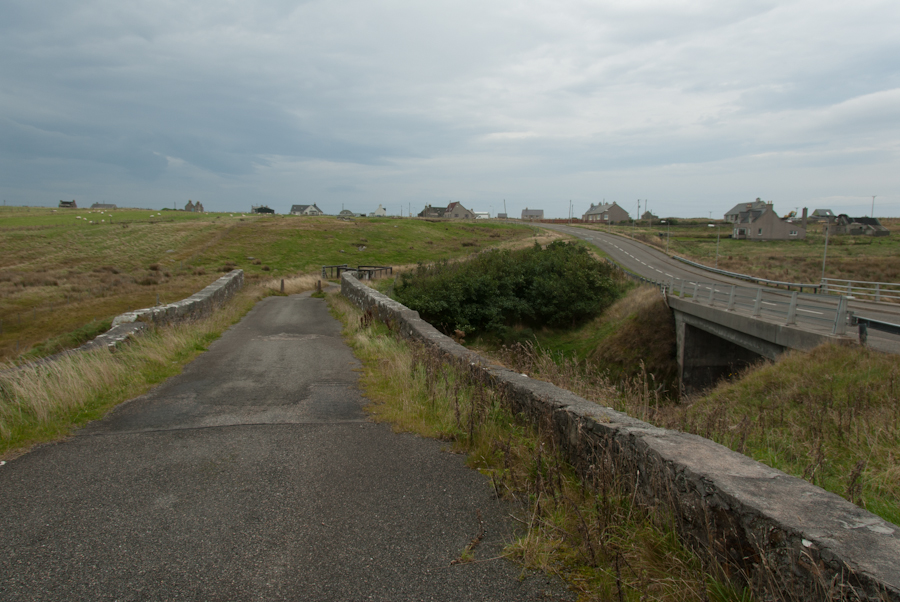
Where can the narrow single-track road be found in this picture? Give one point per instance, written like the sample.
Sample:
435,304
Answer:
254,475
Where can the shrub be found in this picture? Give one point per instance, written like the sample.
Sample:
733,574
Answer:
559,285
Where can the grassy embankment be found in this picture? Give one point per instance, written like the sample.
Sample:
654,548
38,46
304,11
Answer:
831,416
849,257
62,278
44,403
596,538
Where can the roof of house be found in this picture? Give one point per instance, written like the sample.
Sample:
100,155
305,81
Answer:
822,213
743,207
302,208
600,209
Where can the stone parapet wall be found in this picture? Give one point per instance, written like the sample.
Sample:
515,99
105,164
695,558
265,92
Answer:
196,306
783,535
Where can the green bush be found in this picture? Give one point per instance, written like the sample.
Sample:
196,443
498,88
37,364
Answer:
559,285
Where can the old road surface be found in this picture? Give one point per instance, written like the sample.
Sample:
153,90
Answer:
254,475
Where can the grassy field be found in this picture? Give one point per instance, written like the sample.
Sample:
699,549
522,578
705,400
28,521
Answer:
850,257
64,271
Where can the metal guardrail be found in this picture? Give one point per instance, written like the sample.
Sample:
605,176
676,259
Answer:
761,304
864,324
366,272
789,285
877,291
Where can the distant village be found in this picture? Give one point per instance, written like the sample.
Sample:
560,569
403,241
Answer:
756,220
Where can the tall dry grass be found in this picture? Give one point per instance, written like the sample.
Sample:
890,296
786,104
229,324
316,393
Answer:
44,401
830,416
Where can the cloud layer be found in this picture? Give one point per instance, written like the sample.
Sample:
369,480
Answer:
694,106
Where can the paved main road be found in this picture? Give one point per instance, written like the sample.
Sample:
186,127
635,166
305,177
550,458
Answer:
653,264
254,475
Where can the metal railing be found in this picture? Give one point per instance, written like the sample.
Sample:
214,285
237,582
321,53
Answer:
366,272
864,324
333,271
818,314
776,283
876,291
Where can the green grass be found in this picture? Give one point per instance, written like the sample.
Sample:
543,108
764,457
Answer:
597,539
831,416
58,273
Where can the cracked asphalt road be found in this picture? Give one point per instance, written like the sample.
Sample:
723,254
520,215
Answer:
254,475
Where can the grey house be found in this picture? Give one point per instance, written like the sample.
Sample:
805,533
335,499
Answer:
306,210
532,213
826,216
859,226
456,211
103,206
607,213
764,224
68,204
432,212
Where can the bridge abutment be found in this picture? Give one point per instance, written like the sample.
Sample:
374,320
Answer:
714,342
705,358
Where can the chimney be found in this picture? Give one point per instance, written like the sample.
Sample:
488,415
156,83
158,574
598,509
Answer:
804,218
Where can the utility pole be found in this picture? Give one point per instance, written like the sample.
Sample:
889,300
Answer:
634,222
825,254
873,204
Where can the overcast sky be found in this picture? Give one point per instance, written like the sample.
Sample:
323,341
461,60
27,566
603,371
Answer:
692,105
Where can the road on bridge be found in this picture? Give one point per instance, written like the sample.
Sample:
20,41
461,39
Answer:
254,475
653,264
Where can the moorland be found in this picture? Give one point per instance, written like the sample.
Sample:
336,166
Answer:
64,274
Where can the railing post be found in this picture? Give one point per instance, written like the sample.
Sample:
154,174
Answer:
731,299
877,292
824,286
694,296
792,310
757,305
683,284
712,294
840,317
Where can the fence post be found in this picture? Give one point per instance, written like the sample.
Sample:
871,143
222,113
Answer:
757,305
824,286
840,317
694,296
877,292
792,310
282,282
863,333
681,294
731,299
712,294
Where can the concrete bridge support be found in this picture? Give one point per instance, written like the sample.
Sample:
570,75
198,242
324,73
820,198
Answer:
708,352
714,342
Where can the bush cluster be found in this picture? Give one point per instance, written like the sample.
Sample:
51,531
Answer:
559,285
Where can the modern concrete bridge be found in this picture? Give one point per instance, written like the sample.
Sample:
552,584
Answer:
723,323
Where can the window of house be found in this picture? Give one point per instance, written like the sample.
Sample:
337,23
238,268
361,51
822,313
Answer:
793,233
760,232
